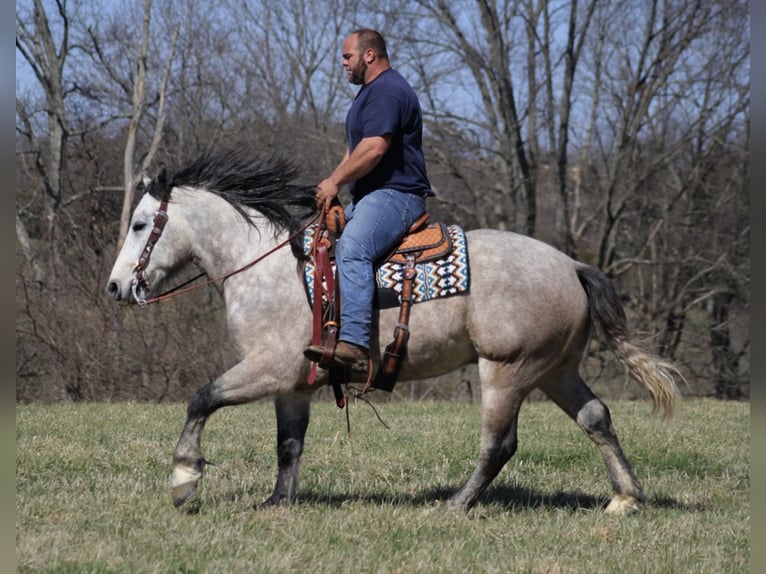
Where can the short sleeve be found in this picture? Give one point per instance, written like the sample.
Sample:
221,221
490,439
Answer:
381,115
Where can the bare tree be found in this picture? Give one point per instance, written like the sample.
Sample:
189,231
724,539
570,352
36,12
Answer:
134,87
522,113
576,33
617,131
445,40
37,43
292,68
673,103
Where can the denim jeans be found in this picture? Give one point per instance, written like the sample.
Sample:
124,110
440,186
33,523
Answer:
374,225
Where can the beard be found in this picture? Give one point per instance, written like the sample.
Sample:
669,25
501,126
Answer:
356,75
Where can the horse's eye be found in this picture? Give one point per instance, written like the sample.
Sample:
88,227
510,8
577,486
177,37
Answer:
138,226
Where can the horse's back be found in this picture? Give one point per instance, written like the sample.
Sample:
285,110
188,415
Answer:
525,300
524,287
534,272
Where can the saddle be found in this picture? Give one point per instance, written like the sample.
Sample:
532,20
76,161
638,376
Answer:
423,242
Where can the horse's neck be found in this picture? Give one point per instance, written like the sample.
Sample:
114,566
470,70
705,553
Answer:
268,295
223,241
224,244
251,256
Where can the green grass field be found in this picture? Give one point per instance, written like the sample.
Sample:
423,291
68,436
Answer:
92,493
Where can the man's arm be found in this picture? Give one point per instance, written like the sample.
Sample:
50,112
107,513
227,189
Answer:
366,156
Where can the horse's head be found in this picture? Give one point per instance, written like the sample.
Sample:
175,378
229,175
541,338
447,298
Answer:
154,247
217,200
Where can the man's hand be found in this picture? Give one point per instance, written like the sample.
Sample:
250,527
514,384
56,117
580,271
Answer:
353,166
327,190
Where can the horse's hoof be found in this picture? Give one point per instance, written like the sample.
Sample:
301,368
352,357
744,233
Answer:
452,505
183,483
622,505
273,501
266,504
183,493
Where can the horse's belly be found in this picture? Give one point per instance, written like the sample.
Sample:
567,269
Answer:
439,339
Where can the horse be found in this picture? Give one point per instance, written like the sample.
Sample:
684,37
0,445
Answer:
526,320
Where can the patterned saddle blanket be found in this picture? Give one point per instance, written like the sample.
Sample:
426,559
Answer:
443,276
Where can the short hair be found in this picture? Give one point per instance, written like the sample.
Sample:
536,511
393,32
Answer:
370,39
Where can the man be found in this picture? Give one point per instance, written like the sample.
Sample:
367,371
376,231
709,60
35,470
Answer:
386,175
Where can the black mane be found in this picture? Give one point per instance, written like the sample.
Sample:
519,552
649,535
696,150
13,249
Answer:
245,180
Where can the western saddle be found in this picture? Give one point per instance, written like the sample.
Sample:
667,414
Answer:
423,242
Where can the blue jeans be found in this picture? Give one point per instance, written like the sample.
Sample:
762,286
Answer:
374,225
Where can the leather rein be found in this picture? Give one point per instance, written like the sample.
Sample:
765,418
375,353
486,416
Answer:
160,220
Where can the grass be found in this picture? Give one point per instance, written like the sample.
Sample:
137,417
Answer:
92,493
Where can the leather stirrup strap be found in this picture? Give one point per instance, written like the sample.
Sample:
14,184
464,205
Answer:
328,324
324,288
391,362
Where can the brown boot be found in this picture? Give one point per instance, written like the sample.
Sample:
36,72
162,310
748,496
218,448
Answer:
316,353
352,356
346,355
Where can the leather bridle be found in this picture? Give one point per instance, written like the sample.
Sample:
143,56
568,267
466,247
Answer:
160,220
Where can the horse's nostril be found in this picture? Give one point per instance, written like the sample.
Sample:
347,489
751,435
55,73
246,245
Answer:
113,289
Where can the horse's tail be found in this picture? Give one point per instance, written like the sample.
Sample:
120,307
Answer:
656,375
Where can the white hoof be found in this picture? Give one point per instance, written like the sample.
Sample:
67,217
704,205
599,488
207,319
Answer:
622,504
183,483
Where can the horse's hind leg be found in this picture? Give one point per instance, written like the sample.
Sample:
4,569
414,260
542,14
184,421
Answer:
292,421
500,411
578,401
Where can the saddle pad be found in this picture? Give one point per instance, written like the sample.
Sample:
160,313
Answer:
444,277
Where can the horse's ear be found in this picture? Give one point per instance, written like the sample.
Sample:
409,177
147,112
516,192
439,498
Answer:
144,182
162,181
162,176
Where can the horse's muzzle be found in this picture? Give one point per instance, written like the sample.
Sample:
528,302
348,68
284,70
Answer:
115,291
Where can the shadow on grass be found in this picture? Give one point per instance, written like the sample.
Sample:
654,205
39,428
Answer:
505,496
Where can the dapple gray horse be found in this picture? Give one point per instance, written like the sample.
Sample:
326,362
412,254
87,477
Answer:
526,320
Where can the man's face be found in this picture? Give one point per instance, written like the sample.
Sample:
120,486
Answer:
353,61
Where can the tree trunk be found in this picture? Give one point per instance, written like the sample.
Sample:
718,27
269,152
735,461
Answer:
26,248
725,360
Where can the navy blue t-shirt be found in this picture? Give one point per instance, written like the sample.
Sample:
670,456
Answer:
388,105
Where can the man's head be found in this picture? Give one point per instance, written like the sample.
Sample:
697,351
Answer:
364,56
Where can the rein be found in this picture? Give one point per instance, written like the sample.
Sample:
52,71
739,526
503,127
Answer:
160,220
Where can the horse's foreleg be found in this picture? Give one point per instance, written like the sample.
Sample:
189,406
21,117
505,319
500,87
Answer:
293,412
188,462
240,384
592,416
